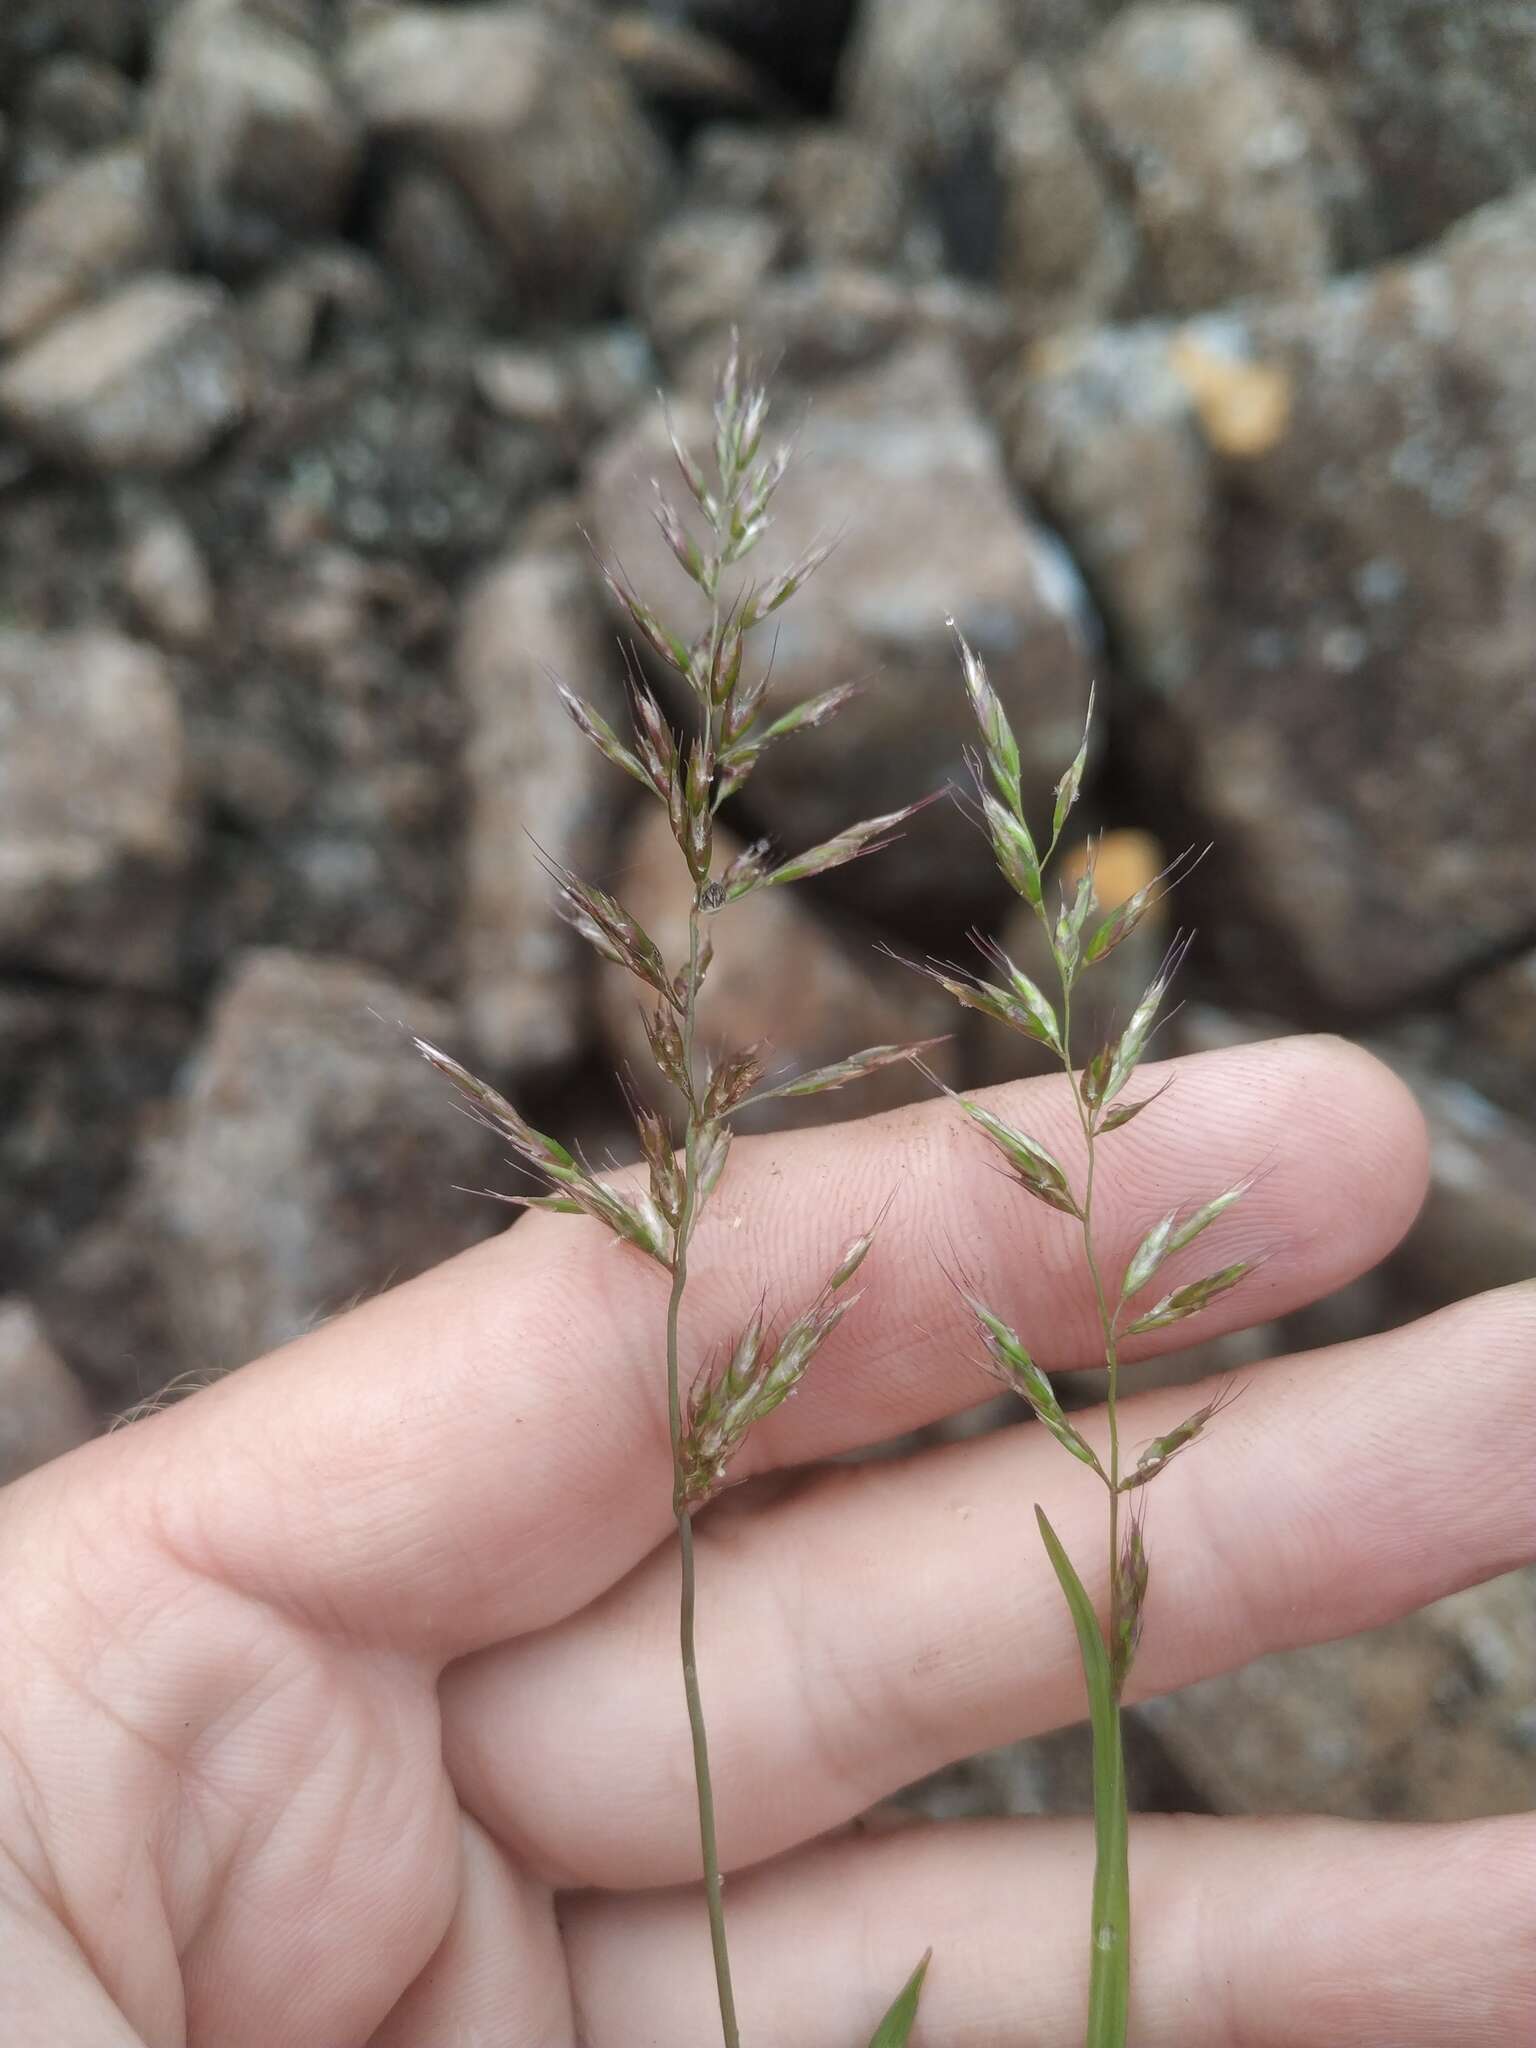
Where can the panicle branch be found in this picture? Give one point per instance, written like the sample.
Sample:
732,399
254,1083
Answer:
572,1187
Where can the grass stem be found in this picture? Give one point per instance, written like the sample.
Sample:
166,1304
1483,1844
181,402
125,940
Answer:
704,1784
1109,1969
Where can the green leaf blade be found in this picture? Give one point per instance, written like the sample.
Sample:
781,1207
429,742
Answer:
1109,1978
895,2030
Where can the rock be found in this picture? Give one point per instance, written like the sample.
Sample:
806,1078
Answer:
816,992
43,1411
531,385
1497,1038
104,1301
1234,169
841,197
671,64
1428,1719
430,238
924,82
1438,93
95,829
1477,1229
149,378
533,123
1329,597
923,79
537,786
1091,411
327,736
895,462
927,82
736,164
166,580
820,323
594,379
108,29
845,196
80,1070
73,105
282,318
1065,245
99,222
612,371
255,146
315,1156
701,273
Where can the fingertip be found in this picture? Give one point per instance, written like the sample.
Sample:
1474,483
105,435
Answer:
1344,1133
1379,1136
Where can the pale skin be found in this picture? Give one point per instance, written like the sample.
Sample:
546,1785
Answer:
340,1704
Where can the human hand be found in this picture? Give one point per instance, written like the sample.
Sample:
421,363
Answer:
341,1704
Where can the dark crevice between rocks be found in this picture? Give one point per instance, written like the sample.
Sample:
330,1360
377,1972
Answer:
966,197
798,44
22,977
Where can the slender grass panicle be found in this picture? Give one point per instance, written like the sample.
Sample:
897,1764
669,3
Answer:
692,773
1078,941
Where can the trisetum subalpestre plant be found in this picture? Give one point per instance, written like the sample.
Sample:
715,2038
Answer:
692,773
1078,940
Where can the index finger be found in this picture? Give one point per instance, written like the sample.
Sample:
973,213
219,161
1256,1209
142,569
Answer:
484,1450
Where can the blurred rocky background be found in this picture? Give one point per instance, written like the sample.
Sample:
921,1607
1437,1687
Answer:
1182,347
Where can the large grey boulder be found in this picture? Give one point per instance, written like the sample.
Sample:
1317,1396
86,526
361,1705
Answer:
314,1158
1312,526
